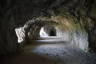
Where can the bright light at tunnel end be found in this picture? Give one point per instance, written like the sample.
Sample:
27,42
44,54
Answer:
43,33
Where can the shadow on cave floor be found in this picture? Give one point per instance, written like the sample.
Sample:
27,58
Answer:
25,56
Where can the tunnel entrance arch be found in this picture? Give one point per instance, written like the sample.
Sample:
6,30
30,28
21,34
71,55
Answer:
47,31
32,28
52,33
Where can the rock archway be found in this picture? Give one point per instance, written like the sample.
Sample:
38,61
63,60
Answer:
32,28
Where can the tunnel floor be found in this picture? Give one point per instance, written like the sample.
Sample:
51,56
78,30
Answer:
49,51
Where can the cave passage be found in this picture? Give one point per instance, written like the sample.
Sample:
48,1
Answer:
48,38
47,31
52,38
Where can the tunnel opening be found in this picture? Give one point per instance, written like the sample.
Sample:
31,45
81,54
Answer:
52,33
66,30
43,33
47,31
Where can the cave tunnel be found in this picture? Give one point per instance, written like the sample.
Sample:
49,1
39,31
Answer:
47,31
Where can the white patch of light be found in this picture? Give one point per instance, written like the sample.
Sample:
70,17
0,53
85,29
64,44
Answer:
20,34
76,38
43,33
80,39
